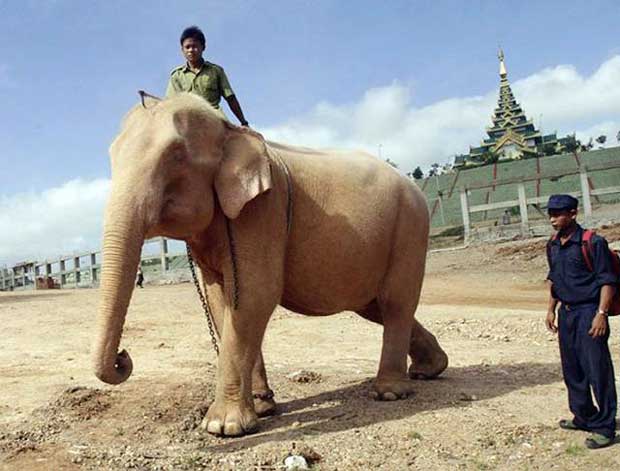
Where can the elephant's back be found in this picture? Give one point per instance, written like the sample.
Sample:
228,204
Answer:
346,208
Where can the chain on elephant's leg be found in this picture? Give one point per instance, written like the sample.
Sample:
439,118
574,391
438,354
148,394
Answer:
264,403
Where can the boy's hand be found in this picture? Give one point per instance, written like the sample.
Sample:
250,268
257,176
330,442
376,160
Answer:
550,322
599,325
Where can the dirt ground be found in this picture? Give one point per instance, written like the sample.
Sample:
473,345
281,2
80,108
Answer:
495,407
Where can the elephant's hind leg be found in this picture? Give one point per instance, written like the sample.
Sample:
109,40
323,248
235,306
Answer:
428,360
264,404
392,381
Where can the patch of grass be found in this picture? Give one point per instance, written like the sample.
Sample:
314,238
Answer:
414,435
481,465
575,450
192,461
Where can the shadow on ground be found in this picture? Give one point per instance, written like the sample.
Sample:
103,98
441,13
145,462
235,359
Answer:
351,408
143,414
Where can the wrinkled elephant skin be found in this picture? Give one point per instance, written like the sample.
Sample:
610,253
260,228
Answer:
357,241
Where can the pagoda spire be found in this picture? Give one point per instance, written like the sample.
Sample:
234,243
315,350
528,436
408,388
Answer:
502,66
512,135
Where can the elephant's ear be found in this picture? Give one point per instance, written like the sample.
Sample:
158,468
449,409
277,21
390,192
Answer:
244,172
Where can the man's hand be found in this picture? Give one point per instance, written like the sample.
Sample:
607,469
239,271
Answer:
599,325
550,322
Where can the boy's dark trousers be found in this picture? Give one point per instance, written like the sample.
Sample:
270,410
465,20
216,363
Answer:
586,363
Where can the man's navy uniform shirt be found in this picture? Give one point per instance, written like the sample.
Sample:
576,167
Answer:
573,282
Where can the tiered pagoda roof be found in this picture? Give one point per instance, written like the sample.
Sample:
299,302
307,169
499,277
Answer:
512,135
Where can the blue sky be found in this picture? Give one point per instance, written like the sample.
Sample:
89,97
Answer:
413,80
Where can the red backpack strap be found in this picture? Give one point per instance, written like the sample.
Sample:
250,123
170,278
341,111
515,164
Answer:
586,247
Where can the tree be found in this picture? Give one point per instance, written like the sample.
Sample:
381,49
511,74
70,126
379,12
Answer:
588,146
447,168
601,139
572,144
549,149
434,170
490,157
418,174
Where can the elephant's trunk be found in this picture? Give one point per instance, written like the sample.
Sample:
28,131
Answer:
122,244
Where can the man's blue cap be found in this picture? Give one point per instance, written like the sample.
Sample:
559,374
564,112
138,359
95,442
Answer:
562,202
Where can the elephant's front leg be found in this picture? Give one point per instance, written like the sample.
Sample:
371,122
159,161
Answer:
264,403
232,413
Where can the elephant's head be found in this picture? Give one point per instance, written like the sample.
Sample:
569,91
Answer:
172,163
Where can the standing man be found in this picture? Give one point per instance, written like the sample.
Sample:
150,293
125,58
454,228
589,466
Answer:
585,296
140,279
202,77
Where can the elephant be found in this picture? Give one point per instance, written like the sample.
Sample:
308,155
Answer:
315,231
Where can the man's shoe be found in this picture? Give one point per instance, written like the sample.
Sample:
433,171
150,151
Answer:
567,424
598,441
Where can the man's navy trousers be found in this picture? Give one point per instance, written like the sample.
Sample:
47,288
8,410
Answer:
586,363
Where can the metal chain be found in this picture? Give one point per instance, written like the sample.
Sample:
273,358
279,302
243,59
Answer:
204,299
233,256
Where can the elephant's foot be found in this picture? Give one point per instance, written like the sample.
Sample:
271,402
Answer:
230,419
428,367
392,389
428,360
264,404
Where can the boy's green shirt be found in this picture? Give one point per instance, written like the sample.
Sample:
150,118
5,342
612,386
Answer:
210,82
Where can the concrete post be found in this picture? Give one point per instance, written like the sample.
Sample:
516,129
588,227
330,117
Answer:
585,192
164,255
63,277
465,214
37,273
93,270
76,271
525,225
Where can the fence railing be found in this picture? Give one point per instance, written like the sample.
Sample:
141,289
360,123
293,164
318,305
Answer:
522,201
82,270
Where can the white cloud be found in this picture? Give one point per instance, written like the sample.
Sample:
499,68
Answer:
386,118
69,218
56,221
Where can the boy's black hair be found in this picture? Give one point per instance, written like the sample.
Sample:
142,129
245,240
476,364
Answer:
195,33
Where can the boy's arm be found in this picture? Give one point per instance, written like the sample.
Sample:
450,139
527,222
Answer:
235,107
606,278
551,305
599,323
229,95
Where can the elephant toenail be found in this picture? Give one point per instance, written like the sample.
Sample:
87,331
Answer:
389,396
374,395
233,429
214,427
